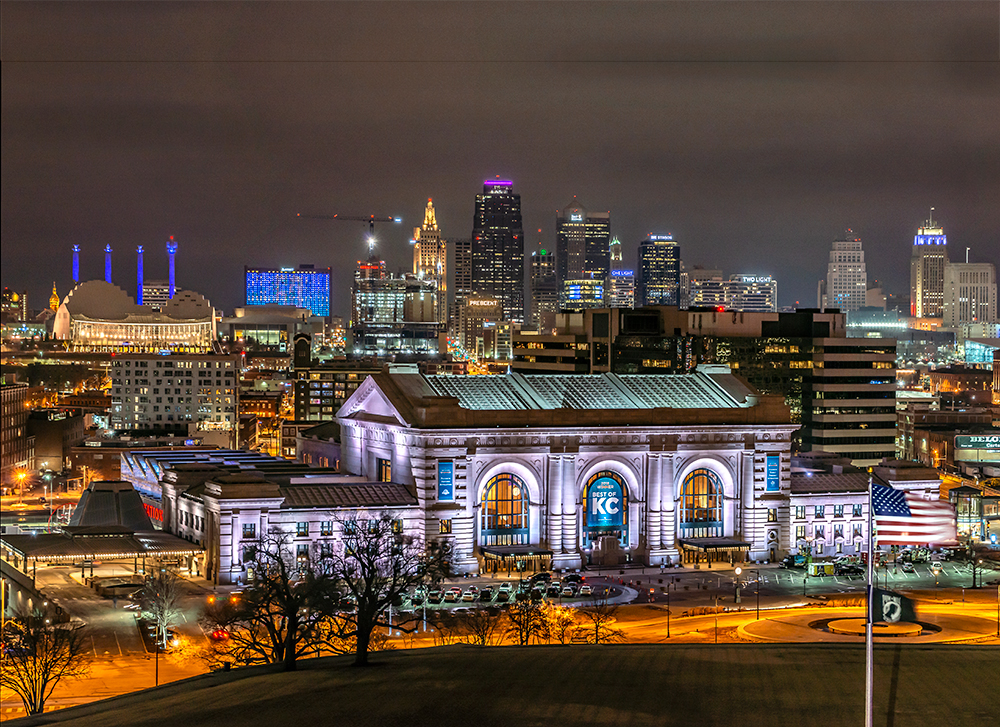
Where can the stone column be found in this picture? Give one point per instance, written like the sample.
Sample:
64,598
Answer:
235,540
554,497
653,489
568,481
668,514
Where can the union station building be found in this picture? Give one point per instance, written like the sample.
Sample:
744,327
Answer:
524,471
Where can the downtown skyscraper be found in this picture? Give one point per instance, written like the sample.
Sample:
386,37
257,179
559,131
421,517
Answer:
498,247
846,275
927,263
659,271
583,244
429,258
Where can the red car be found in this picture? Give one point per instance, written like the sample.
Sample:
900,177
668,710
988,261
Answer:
219,635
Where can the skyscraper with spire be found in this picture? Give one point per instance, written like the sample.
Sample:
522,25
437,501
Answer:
498,247
583,244
430,258
927,263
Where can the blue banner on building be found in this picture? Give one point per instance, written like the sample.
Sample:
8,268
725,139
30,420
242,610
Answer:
605,504
773,473
446,479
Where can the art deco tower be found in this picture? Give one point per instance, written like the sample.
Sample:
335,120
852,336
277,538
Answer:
927,264
846,275
429,258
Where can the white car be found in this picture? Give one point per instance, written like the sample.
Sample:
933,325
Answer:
586,590
936,566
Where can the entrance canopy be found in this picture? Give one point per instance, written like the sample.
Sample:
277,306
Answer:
713,550
495,558
92,543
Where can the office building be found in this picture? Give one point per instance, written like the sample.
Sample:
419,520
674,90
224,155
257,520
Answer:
179,393
13,306
393,313
842,390
970,294
304,287
544,290
846,276
475,314
321,388
268,327
621,289
659,271
751,293
927,263
156,294
576,295
498,247
17,446
430,259
462,266
583,244
705,288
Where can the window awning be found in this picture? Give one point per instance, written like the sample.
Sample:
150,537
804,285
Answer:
514,551
714,545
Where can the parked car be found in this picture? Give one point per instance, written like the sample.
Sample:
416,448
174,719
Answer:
567,591
470,594
573,578
554,589
503,595
434,596
543,576
936,566
907,567
419,594
486,594
452,596
586,590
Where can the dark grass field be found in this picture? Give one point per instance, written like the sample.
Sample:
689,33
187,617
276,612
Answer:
634,685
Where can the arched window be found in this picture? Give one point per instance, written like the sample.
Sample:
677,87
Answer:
504,515
701,505
605,508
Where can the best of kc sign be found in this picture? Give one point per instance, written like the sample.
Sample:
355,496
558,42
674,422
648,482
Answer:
606,502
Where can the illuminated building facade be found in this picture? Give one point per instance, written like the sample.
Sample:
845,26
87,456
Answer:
970,294
304,287
846,276
186,393
927,266
430,259
621,289
14,305
544,290
476,312
391,313
659,271
18,447
99,316
498,247
155,294
751,293
705,288
576,295
583,244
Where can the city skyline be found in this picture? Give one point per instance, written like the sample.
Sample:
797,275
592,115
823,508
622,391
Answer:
750,152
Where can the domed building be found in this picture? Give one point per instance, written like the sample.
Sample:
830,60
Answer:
99,316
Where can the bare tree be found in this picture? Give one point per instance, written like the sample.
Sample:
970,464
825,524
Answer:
526,621
38,655
483,626
377,566
561,622
160,598
284,613
599,619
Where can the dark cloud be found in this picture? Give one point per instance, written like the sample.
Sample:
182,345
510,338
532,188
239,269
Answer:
754,131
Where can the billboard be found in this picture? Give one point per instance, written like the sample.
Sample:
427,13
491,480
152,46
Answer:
606,502
446,481
978,441
773,473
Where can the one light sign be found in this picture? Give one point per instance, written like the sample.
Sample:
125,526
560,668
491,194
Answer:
446,481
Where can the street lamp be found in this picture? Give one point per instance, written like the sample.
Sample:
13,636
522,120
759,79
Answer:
737,583
756,572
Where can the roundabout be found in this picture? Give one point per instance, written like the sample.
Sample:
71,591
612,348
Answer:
856,627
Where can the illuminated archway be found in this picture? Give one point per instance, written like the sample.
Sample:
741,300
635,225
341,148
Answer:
605,508
701,505
504,516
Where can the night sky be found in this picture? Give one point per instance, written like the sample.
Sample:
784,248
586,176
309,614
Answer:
755,133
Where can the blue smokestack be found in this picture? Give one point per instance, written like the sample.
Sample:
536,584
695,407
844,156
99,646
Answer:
138,286
171,251
76,264
107,263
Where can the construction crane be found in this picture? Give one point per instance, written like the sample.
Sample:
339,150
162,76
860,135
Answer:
370,219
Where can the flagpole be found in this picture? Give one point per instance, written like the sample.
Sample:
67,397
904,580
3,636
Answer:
869,647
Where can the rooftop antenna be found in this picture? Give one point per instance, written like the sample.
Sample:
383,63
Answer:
930,221
967,255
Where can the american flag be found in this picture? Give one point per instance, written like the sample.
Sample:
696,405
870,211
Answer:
904,518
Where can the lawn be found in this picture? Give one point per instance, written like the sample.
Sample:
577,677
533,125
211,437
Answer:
560,686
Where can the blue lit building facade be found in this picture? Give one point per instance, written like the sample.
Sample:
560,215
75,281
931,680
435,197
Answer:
927,263
302,287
